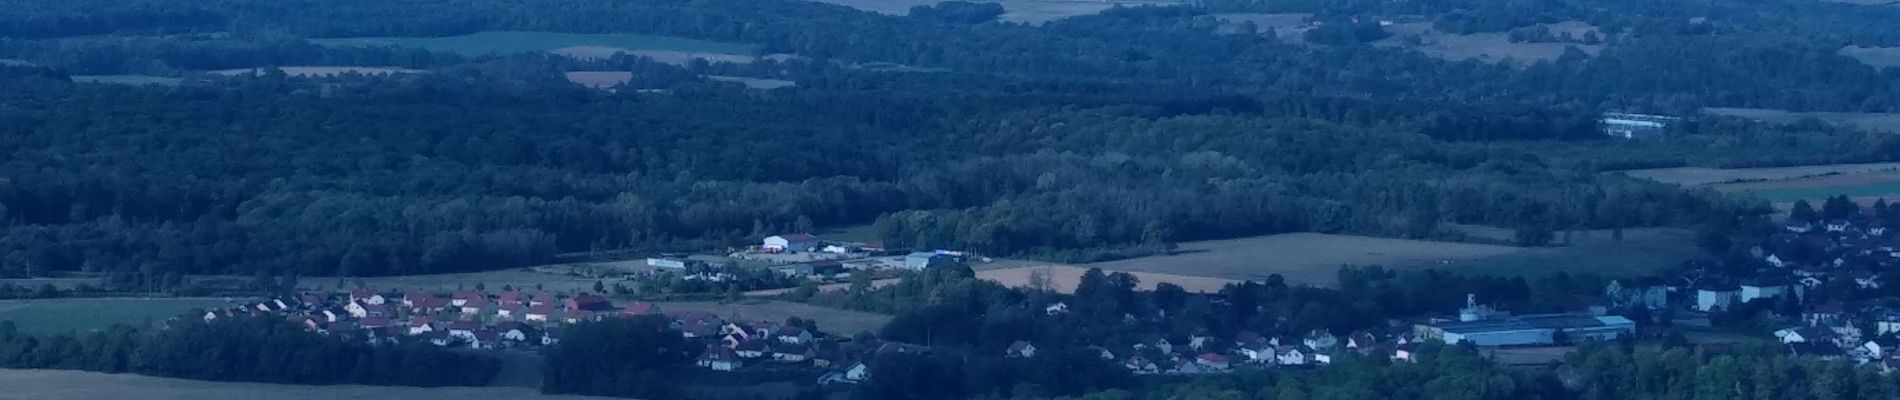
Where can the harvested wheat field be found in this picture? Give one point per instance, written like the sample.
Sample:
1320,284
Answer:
79,385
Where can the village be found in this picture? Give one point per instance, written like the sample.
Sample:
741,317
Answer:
1815,282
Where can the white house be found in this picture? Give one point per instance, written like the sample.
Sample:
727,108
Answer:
1213,362
1290,356
1881,347
1715,299
1321,340
1058,308
366,296
1761,290
720,359
1021,349
790,242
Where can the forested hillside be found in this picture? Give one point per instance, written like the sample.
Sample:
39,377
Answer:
1085,138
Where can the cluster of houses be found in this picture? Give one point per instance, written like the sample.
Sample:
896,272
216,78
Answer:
1208,354
1821,279
470,318
516,319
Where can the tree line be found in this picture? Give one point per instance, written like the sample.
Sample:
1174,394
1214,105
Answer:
245,349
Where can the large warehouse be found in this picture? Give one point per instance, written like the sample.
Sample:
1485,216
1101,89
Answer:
1529,330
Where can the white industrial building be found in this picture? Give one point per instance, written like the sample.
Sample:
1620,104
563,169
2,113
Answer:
1632,126
1525,330
790,242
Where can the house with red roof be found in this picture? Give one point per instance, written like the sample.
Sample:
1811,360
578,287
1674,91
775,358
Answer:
588,302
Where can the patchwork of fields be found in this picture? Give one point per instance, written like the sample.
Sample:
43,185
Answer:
1488,46
64,315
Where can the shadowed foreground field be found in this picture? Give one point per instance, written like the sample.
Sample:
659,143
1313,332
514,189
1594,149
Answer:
78,385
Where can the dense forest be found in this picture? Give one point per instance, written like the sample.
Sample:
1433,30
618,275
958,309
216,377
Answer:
1086,138
259,349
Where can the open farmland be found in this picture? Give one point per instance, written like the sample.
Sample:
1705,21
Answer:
134,80
755,83
1303,258
79,385
832,320
1314,259
581,46
1288,27
1024,11
1784,185
1487,46
63,315
321,71
1866,186
1697,176
1884,122
1877,57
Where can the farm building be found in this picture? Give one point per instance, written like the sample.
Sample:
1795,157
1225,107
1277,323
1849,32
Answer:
790,242
1631,126
921,260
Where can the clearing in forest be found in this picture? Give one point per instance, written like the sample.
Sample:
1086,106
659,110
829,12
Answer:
1487,46
1288,27
68,315
599,79
1884,122
321,71
79,385
755,83
1877,57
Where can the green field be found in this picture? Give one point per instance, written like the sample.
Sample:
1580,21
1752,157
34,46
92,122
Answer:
510,42
135,80
63,315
